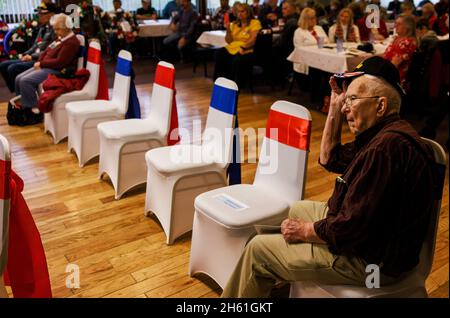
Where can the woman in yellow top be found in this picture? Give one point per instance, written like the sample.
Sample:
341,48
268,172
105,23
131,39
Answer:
234,60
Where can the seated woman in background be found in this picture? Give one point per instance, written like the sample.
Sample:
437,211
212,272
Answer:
231,61
60,54
344,28
401,50
307,33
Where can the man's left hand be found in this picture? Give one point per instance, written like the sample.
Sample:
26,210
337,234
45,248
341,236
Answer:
37,65
293,230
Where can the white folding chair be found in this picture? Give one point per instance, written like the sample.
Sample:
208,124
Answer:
177,174
5,198
224,218
123,143
55,121
84,116
411,286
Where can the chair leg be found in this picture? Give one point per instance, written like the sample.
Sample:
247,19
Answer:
205,68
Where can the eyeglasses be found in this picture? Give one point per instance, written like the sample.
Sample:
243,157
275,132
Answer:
349,100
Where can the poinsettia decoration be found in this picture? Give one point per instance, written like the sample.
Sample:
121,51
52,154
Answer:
116,26
14,55
25,31
3,31
3,27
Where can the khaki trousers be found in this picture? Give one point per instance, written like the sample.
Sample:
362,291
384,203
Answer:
268,259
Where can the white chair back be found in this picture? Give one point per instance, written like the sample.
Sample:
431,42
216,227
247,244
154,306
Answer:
93,66
5,195
122,81
80,63
217,137
162,96
284,153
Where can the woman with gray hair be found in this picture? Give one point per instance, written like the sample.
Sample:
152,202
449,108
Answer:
307,33
401,50
60,54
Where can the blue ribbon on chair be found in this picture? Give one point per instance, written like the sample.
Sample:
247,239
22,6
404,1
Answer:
123,67
225,100
6,40
234,168
83,54
134,107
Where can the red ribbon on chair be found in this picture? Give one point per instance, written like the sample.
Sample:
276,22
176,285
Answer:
94,56
165,76
26,271
5,172
102,91
292,131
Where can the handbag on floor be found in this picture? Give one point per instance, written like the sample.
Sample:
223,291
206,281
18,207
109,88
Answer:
15,114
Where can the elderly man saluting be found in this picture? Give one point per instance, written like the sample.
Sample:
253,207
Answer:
60,54
380,208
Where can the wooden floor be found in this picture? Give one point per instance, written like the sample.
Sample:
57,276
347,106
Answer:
122,253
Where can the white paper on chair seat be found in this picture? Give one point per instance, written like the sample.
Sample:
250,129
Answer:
231,202
129,129
261,205
169,160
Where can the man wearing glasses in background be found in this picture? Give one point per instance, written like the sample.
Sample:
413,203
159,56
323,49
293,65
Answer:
380,208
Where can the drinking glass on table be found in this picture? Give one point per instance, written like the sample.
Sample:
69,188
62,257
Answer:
339,45
320,42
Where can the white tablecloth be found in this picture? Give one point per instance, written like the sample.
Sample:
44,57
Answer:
152,28
329,60
212,38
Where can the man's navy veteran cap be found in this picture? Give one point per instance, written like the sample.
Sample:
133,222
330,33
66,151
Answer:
47,8
376,66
